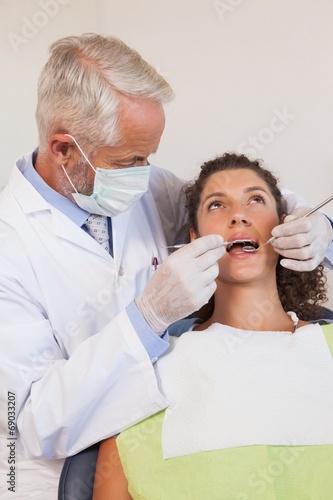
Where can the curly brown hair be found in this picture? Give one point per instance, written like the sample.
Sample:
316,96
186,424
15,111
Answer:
301,292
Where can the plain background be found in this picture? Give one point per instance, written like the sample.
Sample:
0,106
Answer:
249,75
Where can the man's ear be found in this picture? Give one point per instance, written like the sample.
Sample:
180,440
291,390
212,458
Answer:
62,148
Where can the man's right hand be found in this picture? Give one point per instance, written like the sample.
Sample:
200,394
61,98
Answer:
182,284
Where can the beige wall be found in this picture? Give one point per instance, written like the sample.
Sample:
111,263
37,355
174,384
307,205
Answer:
254,76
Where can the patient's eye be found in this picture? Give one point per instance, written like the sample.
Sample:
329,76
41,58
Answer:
214,205
258,198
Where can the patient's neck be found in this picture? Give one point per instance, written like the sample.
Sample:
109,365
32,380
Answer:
249,306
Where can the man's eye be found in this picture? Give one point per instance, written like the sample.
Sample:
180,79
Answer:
138,162
135,162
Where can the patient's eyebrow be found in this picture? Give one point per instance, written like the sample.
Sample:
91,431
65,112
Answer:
255,188
222,194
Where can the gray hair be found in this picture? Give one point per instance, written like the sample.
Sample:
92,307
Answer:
80,88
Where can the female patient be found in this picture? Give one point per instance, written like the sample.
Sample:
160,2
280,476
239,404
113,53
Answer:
250,386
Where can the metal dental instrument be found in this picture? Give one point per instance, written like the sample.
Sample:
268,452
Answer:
184,244
250,248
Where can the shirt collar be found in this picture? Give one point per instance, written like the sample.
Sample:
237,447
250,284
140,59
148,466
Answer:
57,200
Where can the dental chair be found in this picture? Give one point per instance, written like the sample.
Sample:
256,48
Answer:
326,316
77,476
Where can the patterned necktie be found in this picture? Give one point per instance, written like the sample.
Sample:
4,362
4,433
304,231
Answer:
97,227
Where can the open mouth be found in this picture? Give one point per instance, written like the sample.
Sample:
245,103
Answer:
241,244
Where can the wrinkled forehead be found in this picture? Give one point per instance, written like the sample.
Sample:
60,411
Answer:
234,180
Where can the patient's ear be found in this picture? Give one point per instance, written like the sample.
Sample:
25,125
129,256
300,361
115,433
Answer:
193,235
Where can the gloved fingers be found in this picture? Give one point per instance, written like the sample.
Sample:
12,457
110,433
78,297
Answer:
193,298
179,267
306,258
196,256
182,304
206,276
302,253
301,248
191,282
201,245
190,263
299,265
209,259
297,213
205,294
182,284
315,224
292,226
295,242
304,239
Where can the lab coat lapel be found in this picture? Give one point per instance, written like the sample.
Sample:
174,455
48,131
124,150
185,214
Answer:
119,230
145,215
153,219
67,229
44,216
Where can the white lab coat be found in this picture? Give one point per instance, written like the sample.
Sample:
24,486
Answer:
68,349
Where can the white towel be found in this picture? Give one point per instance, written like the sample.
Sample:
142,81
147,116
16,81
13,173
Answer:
229,387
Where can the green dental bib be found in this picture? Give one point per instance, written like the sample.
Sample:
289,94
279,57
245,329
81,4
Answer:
243,473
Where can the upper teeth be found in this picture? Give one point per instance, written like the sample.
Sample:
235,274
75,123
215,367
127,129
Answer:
242,242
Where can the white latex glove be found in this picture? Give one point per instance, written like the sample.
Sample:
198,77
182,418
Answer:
303,241
182,284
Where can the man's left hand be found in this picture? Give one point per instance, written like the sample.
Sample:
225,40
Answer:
303,241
